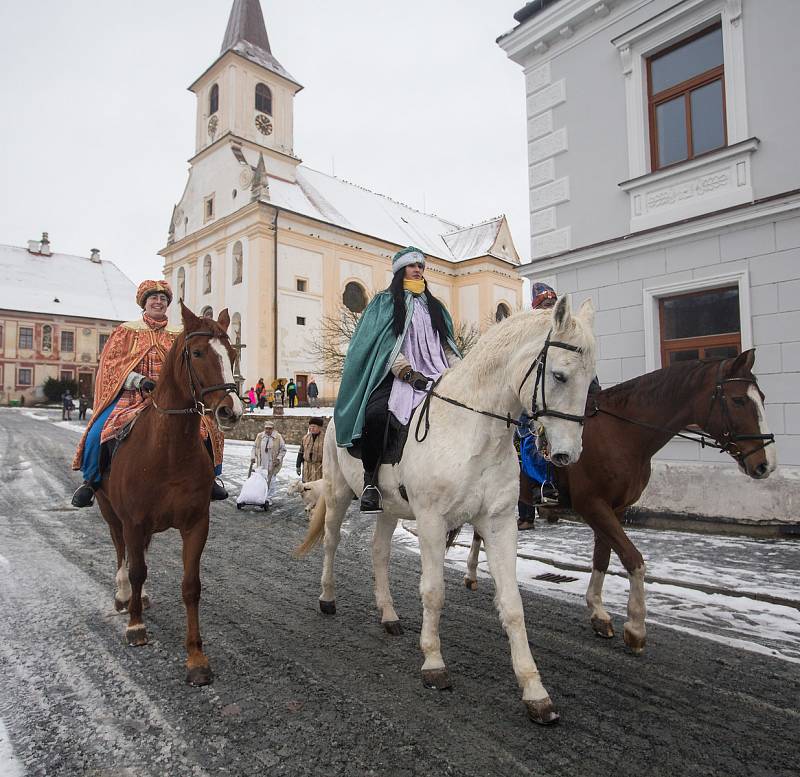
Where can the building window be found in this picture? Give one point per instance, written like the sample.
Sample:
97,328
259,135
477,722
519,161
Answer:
686,98
263,99
101,343
181,284
700,325
67,375
302,284
237,262
301,321
25,341
207,312
47,338
502,312
213,100
24,376
68,341
208,208
354,297
207,274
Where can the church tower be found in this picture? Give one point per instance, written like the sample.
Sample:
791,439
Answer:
246,97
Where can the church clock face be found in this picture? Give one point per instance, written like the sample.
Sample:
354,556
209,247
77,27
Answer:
263,124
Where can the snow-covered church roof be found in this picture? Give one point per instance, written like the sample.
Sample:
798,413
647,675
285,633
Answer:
62,284
335,201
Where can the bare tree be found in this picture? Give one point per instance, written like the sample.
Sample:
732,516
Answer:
465,335
329,344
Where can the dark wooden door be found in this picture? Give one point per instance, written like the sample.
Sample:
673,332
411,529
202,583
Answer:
301,381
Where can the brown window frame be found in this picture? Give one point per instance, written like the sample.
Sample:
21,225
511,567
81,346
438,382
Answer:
61,340
684,88
69,372
20,346
701,343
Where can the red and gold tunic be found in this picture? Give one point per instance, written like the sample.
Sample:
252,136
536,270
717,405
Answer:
135,346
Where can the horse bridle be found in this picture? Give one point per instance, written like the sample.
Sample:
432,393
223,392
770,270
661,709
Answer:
199,407
534,415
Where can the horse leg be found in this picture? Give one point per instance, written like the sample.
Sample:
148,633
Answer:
471,577
198,670
600,619
432,543
500,543
381,550
135,633
333,528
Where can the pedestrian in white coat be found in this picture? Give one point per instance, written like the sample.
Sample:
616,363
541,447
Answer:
269,450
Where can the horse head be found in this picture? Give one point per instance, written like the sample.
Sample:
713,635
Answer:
210,358
737,419
564,370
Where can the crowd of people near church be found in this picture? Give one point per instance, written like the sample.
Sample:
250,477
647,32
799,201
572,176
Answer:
282,392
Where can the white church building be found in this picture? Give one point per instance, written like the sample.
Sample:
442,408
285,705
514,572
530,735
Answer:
665,184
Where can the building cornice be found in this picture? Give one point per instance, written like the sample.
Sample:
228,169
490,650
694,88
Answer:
233,139
236,55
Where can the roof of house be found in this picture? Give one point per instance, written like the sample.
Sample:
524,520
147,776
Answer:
344,204
62,284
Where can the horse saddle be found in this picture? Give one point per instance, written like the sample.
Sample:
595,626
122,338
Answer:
395,441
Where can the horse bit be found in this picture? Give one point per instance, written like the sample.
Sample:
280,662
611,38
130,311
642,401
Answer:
541,362
199,408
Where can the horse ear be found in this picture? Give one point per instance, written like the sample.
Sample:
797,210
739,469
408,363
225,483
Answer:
190,320
586,312
744,362
224,319
561,313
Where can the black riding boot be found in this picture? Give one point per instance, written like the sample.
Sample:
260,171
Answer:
218,491
84,496
371,498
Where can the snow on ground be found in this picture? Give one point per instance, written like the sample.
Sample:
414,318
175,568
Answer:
9,764
323,411
733,564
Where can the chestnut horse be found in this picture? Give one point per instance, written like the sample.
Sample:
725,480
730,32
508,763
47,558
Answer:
625,426
162,474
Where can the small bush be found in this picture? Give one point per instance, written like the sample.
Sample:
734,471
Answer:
54,389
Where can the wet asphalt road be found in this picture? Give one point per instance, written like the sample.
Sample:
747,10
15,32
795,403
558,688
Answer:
298,693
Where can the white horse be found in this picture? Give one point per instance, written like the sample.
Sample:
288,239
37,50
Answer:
466,470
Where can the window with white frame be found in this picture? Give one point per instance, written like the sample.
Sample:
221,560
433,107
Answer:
24,376
68,341
25,338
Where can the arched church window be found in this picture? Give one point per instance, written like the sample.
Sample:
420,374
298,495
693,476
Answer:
207,312
263,99
213,100
207,274
182,284
354,297
501,312
47,338
237,262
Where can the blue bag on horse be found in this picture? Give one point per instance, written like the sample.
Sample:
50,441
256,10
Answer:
534,465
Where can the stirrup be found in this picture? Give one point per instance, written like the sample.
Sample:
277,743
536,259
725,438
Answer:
368,506
218,491
551,497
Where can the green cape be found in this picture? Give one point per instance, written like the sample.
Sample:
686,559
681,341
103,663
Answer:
371,353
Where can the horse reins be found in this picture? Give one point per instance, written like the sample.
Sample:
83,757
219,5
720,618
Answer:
535,414
199,408
706,440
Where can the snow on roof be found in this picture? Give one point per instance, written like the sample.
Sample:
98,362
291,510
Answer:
353,207
474,241
62,284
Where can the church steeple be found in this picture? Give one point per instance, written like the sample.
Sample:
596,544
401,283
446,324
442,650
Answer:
246,23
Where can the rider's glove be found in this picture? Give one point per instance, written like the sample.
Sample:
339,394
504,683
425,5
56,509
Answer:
416,379
147,386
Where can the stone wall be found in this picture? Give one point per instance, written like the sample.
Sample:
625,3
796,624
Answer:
292,427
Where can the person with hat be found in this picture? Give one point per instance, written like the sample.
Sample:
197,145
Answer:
269,450
403,341
129,368
542,296
309,457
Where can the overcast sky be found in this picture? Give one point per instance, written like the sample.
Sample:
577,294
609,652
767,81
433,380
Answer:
409,98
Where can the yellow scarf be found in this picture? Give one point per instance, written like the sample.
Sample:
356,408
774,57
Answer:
414,286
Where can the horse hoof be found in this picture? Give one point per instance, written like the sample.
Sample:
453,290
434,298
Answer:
120,606
436,679
327,608
635,643
471,584
136,636
542,712
393,627
602,628
199,675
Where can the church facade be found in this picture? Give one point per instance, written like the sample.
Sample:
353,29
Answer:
282,245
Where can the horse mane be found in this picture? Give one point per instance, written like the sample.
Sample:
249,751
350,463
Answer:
490,353
662,385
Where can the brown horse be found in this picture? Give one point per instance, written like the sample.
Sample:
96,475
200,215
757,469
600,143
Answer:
625,426
162,474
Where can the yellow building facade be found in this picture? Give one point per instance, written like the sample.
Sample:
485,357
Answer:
281,245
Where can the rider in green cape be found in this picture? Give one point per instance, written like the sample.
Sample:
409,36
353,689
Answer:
403,340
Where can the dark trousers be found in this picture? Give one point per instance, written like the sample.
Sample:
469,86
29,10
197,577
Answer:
292,400
375,419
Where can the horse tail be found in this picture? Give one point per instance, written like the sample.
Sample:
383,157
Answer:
316,529
452,536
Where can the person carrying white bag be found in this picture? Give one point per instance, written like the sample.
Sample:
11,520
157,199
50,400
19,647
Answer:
269,450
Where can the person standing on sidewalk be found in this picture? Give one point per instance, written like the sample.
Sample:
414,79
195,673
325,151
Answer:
83,405
291,392
313,393
309,457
